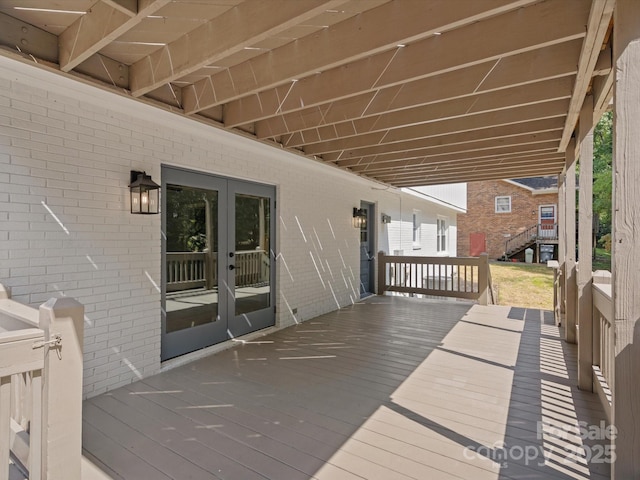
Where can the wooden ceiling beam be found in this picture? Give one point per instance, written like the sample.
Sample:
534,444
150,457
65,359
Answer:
104,22
555,108
478,172
422,180
549,90
518,70
378,30
489,134
459,158
531,28
597,26
551,160
24,38
480,146
241,26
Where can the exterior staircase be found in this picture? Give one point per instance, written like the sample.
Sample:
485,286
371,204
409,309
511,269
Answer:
530,237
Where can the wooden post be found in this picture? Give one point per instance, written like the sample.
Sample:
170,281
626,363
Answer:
62,389
562,239
626,238
570,245
382,273
483,279
585,249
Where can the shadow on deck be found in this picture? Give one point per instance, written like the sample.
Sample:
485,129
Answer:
392,388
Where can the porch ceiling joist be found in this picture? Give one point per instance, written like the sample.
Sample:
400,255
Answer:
527,113
555,89
490,163
553,165
435,55
515,71
519,141
490,134
378,30
419,180
495,154
99,26
240,27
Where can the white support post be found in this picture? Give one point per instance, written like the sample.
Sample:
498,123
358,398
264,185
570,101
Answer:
585,249
570,245
62,389
562,239
626,238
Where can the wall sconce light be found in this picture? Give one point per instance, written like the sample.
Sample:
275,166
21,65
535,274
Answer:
359,217
386,218
144,193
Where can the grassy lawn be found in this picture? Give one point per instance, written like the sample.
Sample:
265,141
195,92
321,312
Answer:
602,260
523,285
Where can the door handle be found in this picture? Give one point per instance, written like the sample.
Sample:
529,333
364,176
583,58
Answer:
232,267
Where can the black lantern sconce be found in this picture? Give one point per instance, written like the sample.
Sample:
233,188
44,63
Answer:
144,193
359,217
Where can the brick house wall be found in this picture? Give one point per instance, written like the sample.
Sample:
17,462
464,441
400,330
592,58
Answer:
481,216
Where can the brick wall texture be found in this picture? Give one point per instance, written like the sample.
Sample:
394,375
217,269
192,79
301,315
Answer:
66,150
481,216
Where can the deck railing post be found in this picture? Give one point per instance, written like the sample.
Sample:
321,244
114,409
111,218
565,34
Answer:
483,279
570,278
62,389
382,273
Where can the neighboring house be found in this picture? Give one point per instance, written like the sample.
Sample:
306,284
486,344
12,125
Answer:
277,230
506,217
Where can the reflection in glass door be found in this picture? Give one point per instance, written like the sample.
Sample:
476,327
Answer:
217,260
252,255
191,257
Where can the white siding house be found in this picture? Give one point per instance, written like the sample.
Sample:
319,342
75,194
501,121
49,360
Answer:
66,152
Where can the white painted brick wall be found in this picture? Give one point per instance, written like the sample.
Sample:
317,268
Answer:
66,150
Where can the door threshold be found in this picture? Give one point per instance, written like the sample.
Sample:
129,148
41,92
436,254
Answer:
366,295
213,349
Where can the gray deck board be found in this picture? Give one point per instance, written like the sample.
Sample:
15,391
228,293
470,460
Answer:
392,388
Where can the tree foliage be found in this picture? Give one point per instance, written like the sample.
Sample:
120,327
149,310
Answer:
602,178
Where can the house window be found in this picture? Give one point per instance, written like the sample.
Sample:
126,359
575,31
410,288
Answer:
441,238
503,204
416,230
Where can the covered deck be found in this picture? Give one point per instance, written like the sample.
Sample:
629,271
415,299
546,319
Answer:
391,387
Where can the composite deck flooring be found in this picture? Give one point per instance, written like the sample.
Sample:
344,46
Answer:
389,388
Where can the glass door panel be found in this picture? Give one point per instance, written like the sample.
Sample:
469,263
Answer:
251,207
252,257
194,224
191,257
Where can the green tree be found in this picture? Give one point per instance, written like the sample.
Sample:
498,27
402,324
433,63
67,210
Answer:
602,154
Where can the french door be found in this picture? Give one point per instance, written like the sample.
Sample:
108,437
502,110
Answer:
217,261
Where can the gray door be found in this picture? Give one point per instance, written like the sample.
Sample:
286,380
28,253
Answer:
367,256
217,264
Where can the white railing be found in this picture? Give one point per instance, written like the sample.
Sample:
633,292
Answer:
187,270
252,268
41,388
603,338
460,277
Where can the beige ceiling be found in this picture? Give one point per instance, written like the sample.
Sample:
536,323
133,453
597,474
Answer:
407,92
